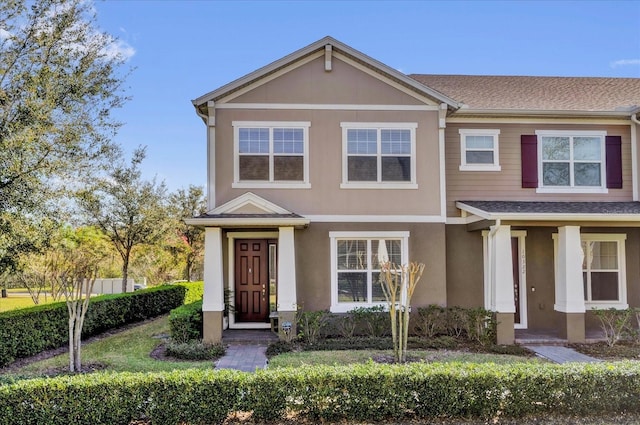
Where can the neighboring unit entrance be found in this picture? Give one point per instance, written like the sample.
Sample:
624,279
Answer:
519,278
251,280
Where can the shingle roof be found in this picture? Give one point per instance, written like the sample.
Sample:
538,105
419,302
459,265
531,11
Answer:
585,208
537,93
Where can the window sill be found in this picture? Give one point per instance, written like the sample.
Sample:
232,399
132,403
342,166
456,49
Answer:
572,190
378,186
480,168
268,185
606,305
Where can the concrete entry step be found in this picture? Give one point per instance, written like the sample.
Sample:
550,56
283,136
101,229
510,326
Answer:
560,355
262,337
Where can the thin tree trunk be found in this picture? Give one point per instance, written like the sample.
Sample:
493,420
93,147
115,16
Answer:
125,271
72,320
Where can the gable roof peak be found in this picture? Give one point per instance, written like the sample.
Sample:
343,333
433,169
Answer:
343,48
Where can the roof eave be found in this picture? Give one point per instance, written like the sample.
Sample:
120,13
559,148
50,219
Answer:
543,112
505,216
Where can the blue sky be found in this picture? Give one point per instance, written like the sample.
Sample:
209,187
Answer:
184,49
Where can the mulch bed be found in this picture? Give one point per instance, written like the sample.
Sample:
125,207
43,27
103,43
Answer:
623,350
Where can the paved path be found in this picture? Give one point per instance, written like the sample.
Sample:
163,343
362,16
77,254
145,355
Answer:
560,354
244,357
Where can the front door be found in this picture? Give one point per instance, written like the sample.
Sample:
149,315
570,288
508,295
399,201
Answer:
519,283
251,280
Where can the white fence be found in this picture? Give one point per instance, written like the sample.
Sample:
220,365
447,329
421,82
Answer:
111,286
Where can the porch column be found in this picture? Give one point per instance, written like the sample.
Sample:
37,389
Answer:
569,284
501,281
213,299
287,298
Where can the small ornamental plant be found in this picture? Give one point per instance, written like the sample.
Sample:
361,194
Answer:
398,284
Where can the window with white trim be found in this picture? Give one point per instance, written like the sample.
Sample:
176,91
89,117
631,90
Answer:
571,160
603,270
378,155
355,266
479,150
271,154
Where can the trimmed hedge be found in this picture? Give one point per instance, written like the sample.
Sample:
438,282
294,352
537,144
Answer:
185,322
29,331
195,291
366,392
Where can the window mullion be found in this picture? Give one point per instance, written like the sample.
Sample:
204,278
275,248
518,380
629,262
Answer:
379,154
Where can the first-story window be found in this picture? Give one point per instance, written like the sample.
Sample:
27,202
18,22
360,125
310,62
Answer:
356,259
603,269
271,154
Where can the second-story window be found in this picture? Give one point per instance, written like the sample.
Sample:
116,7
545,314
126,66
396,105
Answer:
378,155
271,154
571,159
479,150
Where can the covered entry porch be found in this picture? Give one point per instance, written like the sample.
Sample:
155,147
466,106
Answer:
249,265
548,264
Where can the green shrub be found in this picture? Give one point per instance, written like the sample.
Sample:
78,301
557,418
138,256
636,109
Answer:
480,326
194,350
194,291
373,321
614,323
354,343
29,331
355,393
185,322
345,324
279,347
430,321
442,342
311,324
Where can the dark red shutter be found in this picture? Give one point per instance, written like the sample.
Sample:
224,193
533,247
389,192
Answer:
529,154
614,161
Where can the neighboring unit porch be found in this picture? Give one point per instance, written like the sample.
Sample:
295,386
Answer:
548,264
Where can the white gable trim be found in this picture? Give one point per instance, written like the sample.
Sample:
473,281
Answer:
317,49
252,199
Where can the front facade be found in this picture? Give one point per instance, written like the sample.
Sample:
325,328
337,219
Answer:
325,161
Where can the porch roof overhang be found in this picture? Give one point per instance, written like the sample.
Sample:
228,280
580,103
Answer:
249,221
616,213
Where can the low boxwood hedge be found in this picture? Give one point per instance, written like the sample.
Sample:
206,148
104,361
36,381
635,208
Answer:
29,331
366,392
185,322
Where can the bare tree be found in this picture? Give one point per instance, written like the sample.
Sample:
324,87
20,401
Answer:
398,284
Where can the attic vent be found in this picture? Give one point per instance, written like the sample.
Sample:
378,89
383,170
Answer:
327,57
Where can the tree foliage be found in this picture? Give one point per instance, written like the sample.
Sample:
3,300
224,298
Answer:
187,203
59,82
129,209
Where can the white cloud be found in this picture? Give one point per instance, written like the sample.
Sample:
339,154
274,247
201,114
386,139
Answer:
4,34
625,62
119,49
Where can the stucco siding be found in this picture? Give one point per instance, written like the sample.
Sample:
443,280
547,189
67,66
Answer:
313,262
506,184
325,197
465,267
311,84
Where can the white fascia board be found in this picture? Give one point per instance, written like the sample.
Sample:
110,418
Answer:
546,216
542,112
376,218
247,222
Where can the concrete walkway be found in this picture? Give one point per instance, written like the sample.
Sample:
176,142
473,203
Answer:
245,349
246,358
560,354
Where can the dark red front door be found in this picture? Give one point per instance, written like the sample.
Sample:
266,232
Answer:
515,258
252,280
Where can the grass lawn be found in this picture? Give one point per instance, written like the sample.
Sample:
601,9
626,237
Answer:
346,357
128,351
13,302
